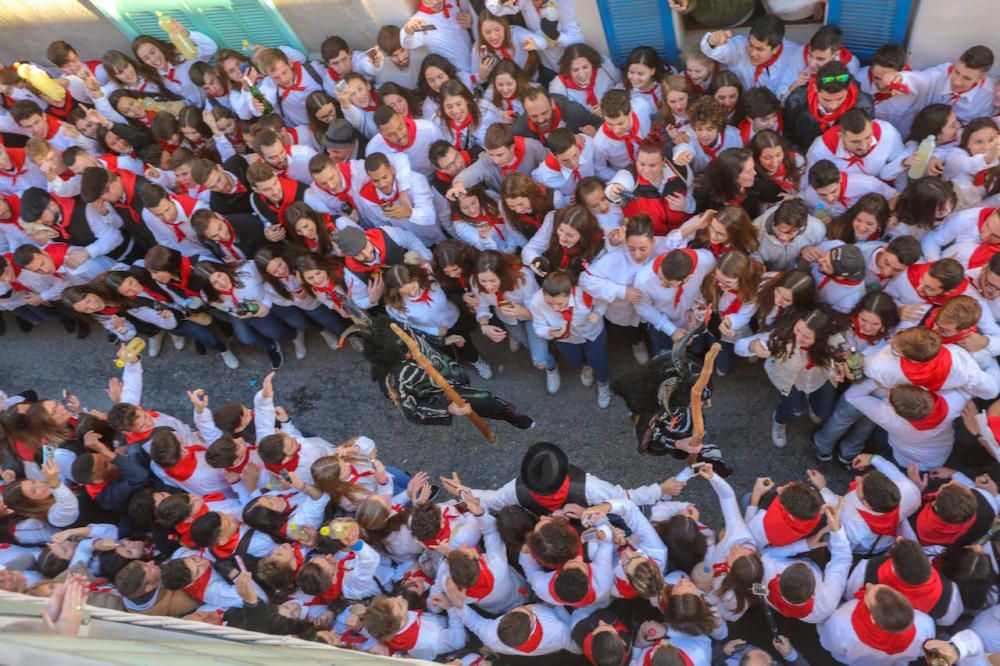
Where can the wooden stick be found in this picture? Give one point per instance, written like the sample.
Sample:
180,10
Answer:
697,416
442,383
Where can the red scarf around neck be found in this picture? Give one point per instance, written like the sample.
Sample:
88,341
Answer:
931,374
782,528
922,596
932,530
875,636
785,607
829,118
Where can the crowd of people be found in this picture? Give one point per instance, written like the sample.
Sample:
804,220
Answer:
487,181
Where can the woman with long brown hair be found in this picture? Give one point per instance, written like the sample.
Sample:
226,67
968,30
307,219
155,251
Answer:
415,300
802,364
526,203
731,292
865,220
48,501
779,167
498,41
718,232
787,293
164,58
569,243
479,223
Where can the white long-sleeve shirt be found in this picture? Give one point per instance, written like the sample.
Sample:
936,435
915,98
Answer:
177,79
601,574
959,227
856,581
830,581
776,77
885,145
610,274
555,627
837,635
429,311
596,490
736,534
663,307
579,308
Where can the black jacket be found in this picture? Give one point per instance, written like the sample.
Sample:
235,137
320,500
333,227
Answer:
802,127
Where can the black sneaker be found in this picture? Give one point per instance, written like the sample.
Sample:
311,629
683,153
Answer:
200,348
822,457
277,358
69,324
524,422
23,324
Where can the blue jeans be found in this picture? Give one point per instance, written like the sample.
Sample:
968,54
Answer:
848,426
291,315
206,335
35,314
261,332
593,353
659,341
726,358
303,320
524,333
821,400
400,479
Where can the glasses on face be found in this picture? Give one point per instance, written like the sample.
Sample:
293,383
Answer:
840,78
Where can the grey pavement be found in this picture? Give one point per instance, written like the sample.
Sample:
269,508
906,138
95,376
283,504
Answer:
331,394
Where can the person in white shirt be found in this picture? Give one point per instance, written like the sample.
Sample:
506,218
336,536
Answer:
575,321
184,466
531,630
836,191
880,629
288,161
839,272
288,84
764,58
46,272
169,219
617,141
443,28
404,135
174,68
400,200
858,144
669,287
339,60
36,124
964,84
478,221
571,158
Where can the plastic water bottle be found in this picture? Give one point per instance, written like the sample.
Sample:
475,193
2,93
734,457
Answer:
822,213
177,35
133,348
41,81
921,158
156,106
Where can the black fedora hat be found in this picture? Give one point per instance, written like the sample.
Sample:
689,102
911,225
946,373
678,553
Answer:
544,468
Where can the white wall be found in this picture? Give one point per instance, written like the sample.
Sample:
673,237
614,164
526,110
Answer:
943,29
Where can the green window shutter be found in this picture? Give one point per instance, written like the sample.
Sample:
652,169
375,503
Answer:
228,22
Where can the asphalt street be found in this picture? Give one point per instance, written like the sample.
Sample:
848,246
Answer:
331,394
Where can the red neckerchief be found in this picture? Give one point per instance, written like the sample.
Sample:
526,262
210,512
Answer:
588,651
827,119
843,55
133,437
497,223
155,295
518,158
465,158
289,188
785,607
882,524
330,289
108,311
57,252
227,549
680,288
231,295
932,530
444,534
66,207
186,466
411,136
899,87
653,93
483,585
345,194
373,102
553,163
333,74
553,124
187,204
931,323
567,314
838,280
739,198
921,596
984,251
17,158
128,184
332,593
533,641
718,249
185,278
733,307
554,500
230,245
915,272
759,69
632,139
169,76
831,139
424,9
289,465
53,125
196,590
62,112
376,238
589,88
954,97
937,416
356,475
842,196
713,151
875,636
406,639
239,467
373,194
782,528
296,82
95,489
856,325
931,374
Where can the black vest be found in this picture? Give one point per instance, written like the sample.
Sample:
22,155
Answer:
985,514
577,493
392,256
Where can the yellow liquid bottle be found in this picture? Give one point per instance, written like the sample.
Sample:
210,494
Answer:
178,36
133,348
42,82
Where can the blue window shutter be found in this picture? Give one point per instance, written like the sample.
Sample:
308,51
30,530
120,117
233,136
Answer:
868,24
632,23
228,22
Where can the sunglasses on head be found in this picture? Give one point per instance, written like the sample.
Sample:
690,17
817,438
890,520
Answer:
840,78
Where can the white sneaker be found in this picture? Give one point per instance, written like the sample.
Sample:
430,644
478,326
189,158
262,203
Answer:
640,353
552,380
155,344
300,345
483,368
512,343
179,341
779,433
587,376
603,395
229,358
332,341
